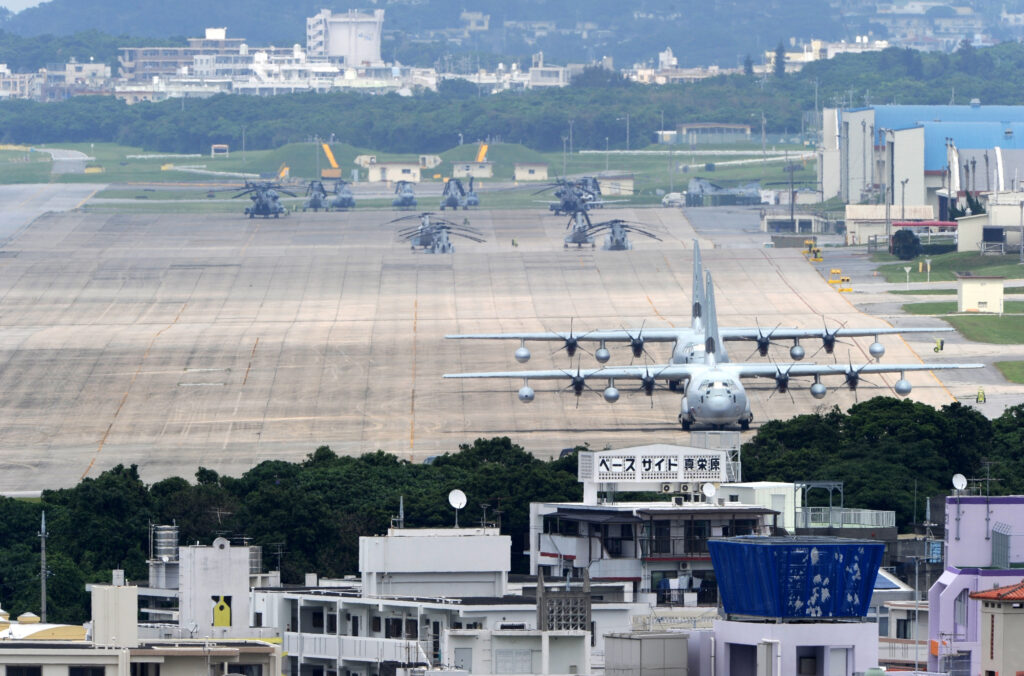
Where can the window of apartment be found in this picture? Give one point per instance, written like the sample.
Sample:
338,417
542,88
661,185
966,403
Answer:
332,623
81,671
902,629
24,670
393,627
317,620
246,669
375,624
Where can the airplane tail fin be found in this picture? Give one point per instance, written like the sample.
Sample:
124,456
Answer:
712,340
697,312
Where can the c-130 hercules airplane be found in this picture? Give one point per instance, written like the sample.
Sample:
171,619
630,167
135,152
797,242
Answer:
714,394
688,342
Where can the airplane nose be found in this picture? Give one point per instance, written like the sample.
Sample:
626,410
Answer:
718,404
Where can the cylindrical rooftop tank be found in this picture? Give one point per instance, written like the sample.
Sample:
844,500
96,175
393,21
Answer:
255,559
165,543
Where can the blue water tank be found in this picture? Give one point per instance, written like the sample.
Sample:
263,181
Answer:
796,577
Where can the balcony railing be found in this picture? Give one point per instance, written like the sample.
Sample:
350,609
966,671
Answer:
356,648
842,517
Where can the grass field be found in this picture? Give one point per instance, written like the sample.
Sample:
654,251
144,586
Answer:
1001,330
948,292
949,307
944,266
651,172
1011,370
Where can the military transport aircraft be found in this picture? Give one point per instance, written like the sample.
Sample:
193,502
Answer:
688,342
714,394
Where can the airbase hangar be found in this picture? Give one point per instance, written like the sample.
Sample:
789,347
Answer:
174,341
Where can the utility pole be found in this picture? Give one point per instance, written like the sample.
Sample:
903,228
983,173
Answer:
564,139
606,153
42,569
571,122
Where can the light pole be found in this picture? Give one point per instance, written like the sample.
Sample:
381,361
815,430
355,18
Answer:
571,122
906,269
903,199
564,139
243,147
460,138
606,162
928,266
627,128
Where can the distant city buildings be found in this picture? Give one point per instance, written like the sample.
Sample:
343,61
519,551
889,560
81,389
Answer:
343,52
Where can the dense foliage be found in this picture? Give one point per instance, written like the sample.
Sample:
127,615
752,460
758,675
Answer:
28,54
431,122
883,448
311,514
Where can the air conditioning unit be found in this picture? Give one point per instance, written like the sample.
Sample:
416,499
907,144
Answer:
678,500
685,488
667,488
683,565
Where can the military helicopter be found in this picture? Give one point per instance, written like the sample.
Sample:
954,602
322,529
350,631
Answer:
316,197
406,197
575,195
343,198
434,234
617,238
456,195
265,199
579,226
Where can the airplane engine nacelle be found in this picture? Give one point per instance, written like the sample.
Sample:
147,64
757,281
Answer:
611,394
818,391
902,387
876,350
526,394
602,355
523,355
796,353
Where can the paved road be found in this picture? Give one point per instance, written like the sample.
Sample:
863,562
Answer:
173,341
66,161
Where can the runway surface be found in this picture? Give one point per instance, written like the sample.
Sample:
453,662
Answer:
178,341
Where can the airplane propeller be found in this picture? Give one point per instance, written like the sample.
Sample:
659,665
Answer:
782,381
764,341
829,340
572,342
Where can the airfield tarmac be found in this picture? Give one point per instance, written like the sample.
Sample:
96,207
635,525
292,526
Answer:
174,341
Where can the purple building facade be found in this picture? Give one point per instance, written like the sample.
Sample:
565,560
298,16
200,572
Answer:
984,548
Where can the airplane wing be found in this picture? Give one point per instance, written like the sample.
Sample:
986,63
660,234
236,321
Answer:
789,333
655,335
663,371
770,370
685,371
606,335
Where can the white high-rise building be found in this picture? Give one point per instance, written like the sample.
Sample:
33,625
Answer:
353,36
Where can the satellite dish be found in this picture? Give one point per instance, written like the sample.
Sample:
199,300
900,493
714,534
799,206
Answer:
457,499
708,489
959,482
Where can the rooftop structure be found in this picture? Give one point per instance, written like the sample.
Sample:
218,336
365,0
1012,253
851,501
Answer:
352,38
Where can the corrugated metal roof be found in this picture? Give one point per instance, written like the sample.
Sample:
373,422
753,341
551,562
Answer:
1014,592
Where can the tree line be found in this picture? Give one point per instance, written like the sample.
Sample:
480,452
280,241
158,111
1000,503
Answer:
312,513
598,106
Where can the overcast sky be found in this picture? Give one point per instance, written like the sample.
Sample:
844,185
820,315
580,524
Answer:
18,5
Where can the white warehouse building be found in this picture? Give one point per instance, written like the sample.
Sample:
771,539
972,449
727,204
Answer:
353,36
